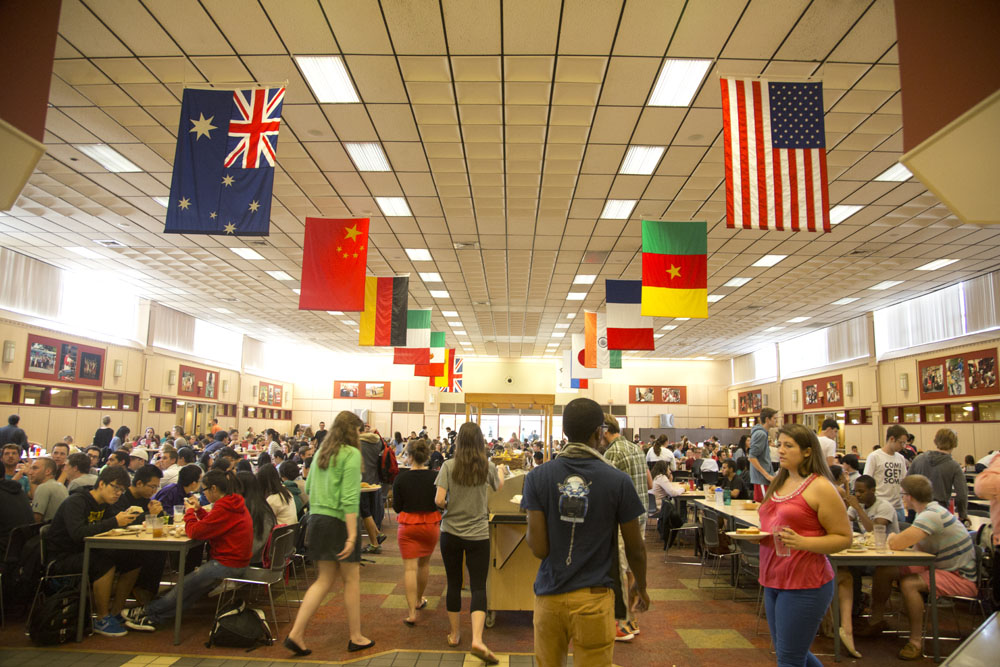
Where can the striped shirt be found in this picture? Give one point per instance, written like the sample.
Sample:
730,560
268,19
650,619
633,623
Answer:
948,539
628,458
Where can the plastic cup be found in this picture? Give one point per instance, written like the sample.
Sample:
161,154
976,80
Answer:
156,523
780,548
178,514
880,538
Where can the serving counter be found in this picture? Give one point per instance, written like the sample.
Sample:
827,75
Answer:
511,578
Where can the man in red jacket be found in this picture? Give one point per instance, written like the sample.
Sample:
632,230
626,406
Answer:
228,529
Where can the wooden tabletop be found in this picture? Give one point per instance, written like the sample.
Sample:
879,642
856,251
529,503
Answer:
140,537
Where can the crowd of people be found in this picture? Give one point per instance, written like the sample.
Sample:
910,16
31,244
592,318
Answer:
585,501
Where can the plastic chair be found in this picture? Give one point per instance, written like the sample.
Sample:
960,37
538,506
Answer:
12,554
710,477
713,546
282,549
47,575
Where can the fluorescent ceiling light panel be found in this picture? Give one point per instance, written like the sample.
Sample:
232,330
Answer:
439,293
618,209
657,335
896,172
576,296
368,156
297,290
570,316
641,159
393,206
713,298
681,319
85,252
769,260
418,254
678,82
448,313
842,212
430,277
247,253
460,333
562,325
279,275
886,284
584,280
846,300
162,201
737,282
668,327
796,320
936,264
769,329
552,345
454,324
348,322
224,311
107,157
334,312
558,334
328,78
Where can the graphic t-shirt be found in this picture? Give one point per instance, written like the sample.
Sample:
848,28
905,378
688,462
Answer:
584,501
888,471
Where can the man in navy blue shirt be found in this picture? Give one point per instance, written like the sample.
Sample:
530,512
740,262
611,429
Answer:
576,504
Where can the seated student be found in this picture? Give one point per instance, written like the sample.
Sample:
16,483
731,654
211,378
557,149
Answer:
260,512
89,512
289,472
187,483
77,472
16,506
277,496
169,464
145,483
663,487
14,469
852,468
935,530
731,480
743,470
229,532
970,464
867,510
117,458
49,493
59,453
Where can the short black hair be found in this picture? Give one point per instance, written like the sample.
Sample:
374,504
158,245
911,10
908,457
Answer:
867,480
188,475
146,473
185,454
60,444
830,423
851,460
121,455
114,475
13,419
731,463
895,431
581,417
80,461
289,470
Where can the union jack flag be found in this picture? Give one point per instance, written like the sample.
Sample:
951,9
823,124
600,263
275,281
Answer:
253,130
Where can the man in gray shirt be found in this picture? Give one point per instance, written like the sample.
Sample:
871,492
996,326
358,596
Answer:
78,472
49,493
760,454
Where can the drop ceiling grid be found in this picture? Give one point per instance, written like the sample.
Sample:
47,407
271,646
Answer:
75,202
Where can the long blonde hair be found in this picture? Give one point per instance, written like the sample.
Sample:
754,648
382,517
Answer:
343,432
471,465
813,463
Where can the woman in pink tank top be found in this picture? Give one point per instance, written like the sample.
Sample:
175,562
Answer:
805,515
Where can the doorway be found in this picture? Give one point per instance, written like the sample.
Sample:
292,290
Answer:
196,418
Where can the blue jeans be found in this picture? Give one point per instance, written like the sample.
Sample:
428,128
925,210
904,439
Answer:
793,617
196,585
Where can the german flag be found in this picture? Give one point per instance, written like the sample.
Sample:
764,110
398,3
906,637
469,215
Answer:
383,321
674,269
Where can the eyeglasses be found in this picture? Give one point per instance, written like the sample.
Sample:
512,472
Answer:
117,489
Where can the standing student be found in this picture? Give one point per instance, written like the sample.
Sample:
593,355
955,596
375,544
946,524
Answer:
12,433
419,523
103,435
334,487
945,473
760,454
462,488
988,487
888,467
804,511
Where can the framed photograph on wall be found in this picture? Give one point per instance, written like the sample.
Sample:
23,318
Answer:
676,395
956,376
57,360
90,366
346,389
982,374
750,402
42,358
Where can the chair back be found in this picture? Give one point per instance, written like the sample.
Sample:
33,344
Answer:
18,537
750,552
282,546
43,534
678,475
710,528
710,477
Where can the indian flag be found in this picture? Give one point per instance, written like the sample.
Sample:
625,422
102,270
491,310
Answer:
596,352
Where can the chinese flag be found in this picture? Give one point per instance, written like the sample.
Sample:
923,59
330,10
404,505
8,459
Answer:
333,264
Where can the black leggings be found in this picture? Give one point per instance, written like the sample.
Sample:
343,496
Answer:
477,559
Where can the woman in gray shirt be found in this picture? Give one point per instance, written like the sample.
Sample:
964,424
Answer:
462,490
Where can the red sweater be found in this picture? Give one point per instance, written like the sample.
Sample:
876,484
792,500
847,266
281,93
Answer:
228,529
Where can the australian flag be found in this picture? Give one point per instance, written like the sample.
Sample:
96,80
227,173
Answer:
227,144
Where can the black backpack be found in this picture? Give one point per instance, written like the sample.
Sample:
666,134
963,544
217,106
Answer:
54,622
238,626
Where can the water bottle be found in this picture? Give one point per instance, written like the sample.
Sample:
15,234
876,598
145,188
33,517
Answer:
727,497
951,505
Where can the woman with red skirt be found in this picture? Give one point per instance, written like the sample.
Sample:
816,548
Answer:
419,523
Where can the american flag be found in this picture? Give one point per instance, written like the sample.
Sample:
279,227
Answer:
775,155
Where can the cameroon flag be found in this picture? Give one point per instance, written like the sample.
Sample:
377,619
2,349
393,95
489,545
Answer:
674,269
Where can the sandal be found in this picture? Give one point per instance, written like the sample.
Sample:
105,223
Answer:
455,643
910,652
486,656
847,641
423,604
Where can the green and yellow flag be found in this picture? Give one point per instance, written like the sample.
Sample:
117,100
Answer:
674,269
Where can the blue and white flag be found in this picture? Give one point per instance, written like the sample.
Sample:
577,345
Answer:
224,166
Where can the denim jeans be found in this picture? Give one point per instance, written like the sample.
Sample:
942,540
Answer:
793,617
196,585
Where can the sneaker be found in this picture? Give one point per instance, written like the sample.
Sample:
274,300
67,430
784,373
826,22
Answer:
623,636
109,627
372,549
136,619
381,538
632,627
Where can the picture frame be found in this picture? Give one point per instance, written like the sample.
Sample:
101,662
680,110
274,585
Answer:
657,395
355,389
62,361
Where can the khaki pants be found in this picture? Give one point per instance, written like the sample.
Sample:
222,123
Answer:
586,617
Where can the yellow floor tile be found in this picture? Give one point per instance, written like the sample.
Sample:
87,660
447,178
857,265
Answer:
377,587
399,602
713,638
674,594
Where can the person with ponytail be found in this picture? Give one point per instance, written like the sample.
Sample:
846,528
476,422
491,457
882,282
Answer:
227,528
334,488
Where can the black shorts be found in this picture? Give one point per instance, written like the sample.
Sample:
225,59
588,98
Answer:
368,503
101,560
326,537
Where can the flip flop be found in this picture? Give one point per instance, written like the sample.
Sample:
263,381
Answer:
488,658
455,643
423,603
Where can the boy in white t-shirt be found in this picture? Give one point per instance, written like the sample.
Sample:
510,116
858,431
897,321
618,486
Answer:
828,440
888,467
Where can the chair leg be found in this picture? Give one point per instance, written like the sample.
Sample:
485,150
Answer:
274,614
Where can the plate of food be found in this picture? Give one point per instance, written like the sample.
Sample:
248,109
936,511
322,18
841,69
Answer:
132,529
747,534
856,550
365,486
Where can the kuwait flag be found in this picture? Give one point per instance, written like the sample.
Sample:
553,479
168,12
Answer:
627,328
434,366
597,354
674,269
418,339
566,381
383,321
